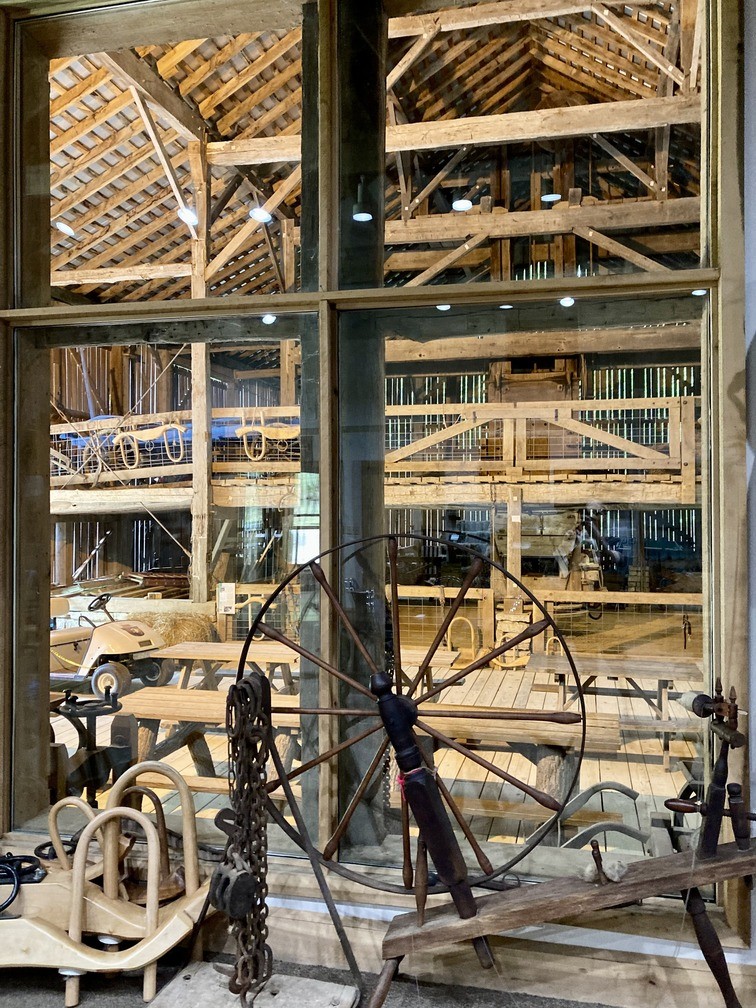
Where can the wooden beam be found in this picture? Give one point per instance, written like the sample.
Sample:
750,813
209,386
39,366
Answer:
414,53
564,342
414,262
602,217
481,15
119,274
513,127
617,248
448,260
170,172
201,473
438,178
622,27
625,161
201,242
136,73
245,232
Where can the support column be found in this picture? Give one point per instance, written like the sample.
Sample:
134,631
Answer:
202,445
24,453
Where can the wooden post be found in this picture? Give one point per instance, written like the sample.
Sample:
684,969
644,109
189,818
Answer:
201,472
202,447
514,535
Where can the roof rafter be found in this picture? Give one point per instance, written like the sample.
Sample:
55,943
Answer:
135,73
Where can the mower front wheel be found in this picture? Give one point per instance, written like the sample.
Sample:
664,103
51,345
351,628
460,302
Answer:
113,674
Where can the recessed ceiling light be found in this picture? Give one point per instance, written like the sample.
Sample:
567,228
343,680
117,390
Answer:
567,302
461,203
261,215
64,228
553,197
188,216
699,292
269,319
443,307
506,306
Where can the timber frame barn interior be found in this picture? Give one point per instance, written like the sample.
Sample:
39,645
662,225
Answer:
279,276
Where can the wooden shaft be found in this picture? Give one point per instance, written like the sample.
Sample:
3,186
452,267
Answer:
380,993
276,635
475,568
463,824
330,848
393,577
710,945
540,796
317,760
319,574
532,631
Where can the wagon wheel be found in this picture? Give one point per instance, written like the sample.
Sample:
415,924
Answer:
362,600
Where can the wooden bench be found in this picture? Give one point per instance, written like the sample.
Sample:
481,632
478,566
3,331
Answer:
551,747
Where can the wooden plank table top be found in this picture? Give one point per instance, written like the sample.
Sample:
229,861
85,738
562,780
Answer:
228,652
640,667
166,703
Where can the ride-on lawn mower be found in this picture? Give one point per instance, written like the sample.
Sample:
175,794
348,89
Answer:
112,653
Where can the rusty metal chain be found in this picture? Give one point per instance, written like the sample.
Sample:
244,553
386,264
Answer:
249,734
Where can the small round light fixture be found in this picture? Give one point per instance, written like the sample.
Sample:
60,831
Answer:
699,292
506,306
567,302
64,228
269,319
361,212
188,216
443,307
553,197
261,215
461,203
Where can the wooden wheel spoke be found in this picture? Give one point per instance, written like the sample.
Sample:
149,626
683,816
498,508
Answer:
396,639
330,848
323,757
319,574
527,634
475,568
553,717
275,635
540,796
463,824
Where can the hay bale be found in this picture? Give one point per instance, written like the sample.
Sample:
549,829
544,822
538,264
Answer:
175,628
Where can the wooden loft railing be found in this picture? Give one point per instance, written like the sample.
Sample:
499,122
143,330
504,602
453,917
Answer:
629,439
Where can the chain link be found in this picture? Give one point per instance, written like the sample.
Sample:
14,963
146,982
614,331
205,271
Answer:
249,734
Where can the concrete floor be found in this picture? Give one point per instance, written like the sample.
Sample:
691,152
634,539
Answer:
44,989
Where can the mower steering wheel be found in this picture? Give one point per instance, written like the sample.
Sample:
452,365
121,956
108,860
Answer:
99,603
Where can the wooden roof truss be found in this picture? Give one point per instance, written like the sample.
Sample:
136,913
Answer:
599,101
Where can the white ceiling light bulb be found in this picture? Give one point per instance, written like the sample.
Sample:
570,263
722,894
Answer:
64,228
567,302
699,292
553,197
269,319
261,215
361,211
443,307
461,203
188,216
505,306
